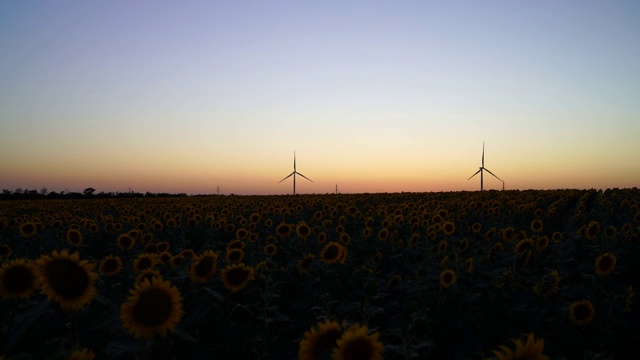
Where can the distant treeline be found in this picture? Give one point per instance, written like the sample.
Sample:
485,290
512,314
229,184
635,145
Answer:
88,193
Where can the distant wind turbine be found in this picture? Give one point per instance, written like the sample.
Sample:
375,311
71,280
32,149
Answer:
294,174
482,168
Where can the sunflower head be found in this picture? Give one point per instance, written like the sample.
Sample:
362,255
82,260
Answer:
28,229
236,277
234,256
110,265
332,253
581,312
605,264
448,278
203,268
18,279
357,343
67,279
74,237
319,341
153,308
531,348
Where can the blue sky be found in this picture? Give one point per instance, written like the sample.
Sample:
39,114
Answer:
378,96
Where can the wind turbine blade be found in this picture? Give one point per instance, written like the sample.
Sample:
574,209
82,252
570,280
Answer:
487,170
483,154
294,161
474,174
286,177
304,176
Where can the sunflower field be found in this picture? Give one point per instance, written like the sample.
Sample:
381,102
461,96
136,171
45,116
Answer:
537,274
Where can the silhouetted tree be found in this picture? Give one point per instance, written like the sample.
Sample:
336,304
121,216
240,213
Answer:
88,191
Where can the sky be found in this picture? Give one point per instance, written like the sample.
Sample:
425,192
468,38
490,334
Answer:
372,96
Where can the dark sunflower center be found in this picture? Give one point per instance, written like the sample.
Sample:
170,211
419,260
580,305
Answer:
359,349
325,344
237,276
606,263
305,264
303,231
447,278
126,242
144,263
74,237
582,312
331,253
18,279
204,266
235,256
67,278
110,266
153,308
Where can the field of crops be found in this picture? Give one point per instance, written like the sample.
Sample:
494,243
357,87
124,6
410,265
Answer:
459,275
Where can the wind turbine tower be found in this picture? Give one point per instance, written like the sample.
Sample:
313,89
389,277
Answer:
294,174
481,170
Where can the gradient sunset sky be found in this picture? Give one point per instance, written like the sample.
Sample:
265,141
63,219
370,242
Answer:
374,96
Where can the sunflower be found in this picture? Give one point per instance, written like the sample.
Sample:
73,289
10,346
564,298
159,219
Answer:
5,251
176,260
581,312
82,354
18,279
548,284
383,234
413,240
476,227
284,230
203,268
509,234
144,261
322,238
357,343
153,307
125,242
110,265
242,233
557,236
304,264
28,229
147,274
448,278
270,249
332,252
523,245
67,279
542,243
468,265
448,227
605,264
235,277
303,230
163,246
610,232
592,230
74,237
536,225
319,341
532,349
463,245
234,256
235,244
442,246
345,239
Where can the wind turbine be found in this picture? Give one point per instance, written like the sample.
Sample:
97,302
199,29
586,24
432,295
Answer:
482,168
294,174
